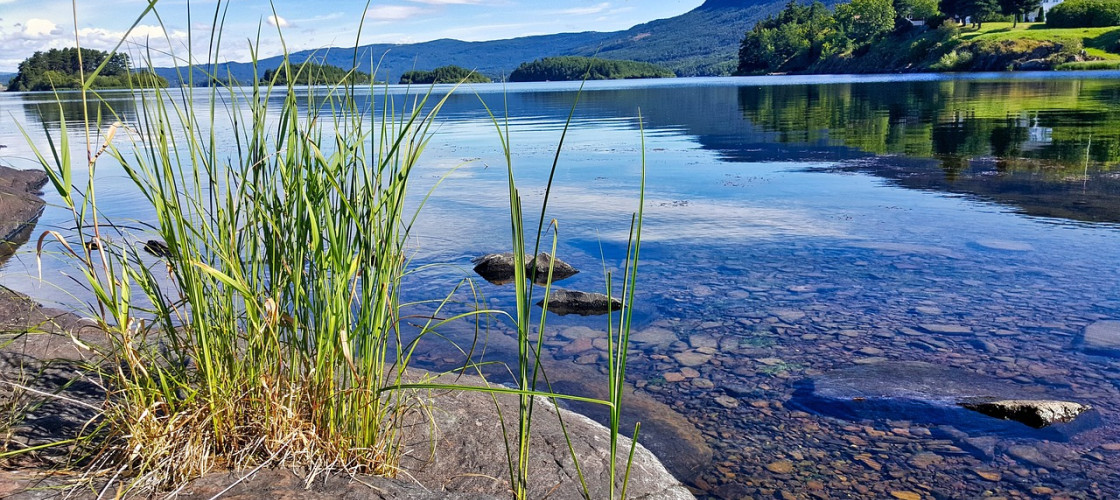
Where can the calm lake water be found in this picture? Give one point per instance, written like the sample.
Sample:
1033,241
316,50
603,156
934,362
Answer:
794,226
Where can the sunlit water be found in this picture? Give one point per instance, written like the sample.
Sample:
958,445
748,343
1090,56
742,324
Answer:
792,227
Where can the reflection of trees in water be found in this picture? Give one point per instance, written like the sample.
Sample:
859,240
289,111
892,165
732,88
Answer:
49,110
950,120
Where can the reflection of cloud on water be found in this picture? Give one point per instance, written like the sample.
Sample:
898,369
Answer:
463,221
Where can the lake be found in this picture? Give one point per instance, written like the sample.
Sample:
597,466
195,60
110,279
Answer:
794,226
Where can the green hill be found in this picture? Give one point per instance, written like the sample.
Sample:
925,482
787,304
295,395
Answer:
702,42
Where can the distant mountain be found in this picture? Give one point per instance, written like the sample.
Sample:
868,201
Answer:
703,41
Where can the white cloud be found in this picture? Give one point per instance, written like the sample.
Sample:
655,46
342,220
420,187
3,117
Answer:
278,21
40,28
448,2
584,11
392,12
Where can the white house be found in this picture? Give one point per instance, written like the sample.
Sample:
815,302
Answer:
1045,8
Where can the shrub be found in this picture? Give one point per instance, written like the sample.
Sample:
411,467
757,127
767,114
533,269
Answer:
1084,14
952,61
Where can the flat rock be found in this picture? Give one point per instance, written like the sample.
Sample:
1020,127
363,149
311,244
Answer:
946,328
1030,455
1005,245
692,358
788,315
564,302
654,335
1035,413
780,467
1102,337
581,332
925,459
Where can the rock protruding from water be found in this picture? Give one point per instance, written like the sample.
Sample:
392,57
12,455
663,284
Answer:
1035,413
498,268
565,302
1102,337
560,270
937,394
157,248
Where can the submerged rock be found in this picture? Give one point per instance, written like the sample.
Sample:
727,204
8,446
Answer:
565,302
498,268
1102,337
936,394
1035,413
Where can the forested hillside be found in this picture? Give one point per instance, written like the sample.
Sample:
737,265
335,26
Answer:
703,41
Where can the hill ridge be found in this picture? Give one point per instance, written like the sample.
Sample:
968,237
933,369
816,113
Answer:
701,42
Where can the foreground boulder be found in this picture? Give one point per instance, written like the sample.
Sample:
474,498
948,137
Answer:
460,454
1035,413
498,268
565,302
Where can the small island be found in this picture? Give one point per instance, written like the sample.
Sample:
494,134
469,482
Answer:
58,69
443,74
311,73
573,68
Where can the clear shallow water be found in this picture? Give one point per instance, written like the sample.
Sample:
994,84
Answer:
795,226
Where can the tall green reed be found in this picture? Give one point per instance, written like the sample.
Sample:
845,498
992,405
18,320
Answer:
530,370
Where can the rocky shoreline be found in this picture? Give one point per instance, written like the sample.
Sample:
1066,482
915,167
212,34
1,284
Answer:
20,206
459,457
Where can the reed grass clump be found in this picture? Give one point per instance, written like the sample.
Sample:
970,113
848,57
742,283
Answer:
268,333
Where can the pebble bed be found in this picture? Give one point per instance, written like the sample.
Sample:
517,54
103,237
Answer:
729,350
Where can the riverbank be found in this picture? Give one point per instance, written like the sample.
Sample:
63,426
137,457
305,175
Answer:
955,48
452,442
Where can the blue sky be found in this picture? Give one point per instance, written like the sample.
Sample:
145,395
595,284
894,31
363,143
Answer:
30,25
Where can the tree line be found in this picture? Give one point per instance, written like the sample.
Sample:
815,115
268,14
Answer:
63,69
569,68
802,35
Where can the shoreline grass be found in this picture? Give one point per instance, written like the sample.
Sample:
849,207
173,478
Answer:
269,331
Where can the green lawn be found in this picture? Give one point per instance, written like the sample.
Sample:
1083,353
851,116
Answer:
1099,42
